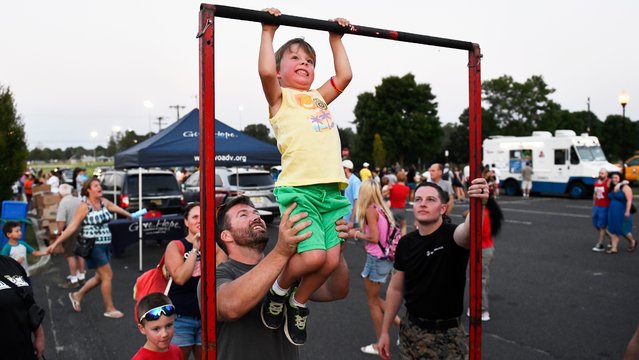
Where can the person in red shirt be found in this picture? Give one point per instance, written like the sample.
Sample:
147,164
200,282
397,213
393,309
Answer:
398,195
157,324
600,203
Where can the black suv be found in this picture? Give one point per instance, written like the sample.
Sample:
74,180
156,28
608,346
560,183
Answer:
159,188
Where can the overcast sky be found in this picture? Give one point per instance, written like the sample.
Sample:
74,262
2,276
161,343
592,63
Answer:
81,66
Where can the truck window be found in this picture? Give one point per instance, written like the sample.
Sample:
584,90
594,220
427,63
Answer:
561,155
574,158
518,159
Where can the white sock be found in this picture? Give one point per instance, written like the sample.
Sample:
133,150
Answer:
73,279
278,289
295,303
81,275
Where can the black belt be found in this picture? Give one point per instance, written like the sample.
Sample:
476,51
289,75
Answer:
434,325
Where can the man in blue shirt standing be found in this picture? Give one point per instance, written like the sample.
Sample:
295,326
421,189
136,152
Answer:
351,191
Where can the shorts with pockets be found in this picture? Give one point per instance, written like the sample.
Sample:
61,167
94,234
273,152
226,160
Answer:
324,204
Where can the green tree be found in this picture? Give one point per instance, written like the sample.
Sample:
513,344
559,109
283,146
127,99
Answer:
259,131
13,145
379,152
619,137
519,108
457,143
404,113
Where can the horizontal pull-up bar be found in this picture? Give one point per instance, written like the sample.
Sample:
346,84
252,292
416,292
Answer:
230,12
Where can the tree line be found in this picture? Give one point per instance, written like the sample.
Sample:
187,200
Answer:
397,122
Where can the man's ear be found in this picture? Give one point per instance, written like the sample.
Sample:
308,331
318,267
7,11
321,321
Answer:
443,209
226,236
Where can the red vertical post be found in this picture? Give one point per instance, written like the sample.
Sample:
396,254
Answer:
474,113
207,179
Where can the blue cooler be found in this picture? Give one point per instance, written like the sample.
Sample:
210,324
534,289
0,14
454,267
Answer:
13,211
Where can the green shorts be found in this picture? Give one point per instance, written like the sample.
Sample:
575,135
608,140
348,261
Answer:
325,205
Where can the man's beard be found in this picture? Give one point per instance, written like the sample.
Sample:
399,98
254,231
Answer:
250,238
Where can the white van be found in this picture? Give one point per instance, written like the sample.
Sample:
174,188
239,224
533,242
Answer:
562,164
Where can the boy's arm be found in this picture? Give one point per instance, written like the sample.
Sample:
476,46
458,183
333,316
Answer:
343,73
266,66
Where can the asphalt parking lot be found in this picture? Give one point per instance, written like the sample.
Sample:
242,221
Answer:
551,296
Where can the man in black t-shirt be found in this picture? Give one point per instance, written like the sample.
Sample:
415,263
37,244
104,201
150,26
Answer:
244,279
16,340
431,276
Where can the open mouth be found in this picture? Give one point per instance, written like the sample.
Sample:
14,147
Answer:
301,72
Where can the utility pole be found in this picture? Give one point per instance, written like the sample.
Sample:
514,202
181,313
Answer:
177,107
159,122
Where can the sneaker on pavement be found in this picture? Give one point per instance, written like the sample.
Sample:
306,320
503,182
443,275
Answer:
599,248
485,316
69,285
295,326
272,310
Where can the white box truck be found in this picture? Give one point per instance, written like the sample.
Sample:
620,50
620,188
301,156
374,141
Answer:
562,164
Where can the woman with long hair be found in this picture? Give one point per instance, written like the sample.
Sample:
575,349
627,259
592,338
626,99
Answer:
375,220
185,269
93,215
491,225
619,218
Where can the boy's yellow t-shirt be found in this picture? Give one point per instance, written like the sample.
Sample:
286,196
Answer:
308,140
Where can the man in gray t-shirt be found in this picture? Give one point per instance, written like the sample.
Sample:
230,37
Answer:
66,211
436,171
243,281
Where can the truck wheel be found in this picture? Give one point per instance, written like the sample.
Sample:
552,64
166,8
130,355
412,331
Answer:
511,188
577,190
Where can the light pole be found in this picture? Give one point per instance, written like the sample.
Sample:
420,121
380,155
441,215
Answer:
623,99
94,134
116,136
148,105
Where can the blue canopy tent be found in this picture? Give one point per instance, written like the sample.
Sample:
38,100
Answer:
179,145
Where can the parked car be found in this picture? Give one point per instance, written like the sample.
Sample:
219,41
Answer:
258,185
632,169
159,187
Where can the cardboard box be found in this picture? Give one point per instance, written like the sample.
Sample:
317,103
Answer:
53,229
50,199
41,189
50,212
39,201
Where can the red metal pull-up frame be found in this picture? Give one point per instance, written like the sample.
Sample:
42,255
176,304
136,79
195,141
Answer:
207,147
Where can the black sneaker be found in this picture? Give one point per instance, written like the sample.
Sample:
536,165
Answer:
599,248
272,310
295,327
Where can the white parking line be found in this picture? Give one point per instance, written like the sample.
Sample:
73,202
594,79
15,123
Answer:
584,216
519,222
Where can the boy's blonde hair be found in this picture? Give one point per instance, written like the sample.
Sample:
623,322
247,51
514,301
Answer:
297,41
371,194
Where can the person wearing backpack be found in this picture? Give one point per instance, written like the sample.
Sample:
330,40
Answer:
376,222
184,266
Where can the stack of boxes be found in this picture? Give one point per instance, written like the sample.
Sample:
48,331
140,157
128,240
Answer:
46,204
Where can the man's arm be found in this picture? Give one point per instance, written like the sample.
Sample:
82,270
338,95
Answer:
394,296
343,73
236,298
478,189
451,201
267,67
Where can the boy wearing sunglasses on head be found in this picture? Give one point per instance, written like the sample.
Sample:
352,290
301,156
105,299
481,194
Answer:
156,317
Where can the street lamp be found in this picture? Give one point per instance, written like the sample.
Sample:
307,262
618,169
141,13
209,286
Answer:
623,99
240,109
94,134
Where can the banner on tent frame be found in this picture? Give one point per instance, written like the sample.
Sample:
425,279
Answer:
163,229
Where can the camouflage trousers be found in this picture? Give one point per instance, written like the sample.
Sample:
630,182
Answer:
417,343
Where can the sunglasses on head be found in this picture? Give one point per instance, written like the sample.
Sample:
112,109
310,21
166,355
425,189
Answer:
156,312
